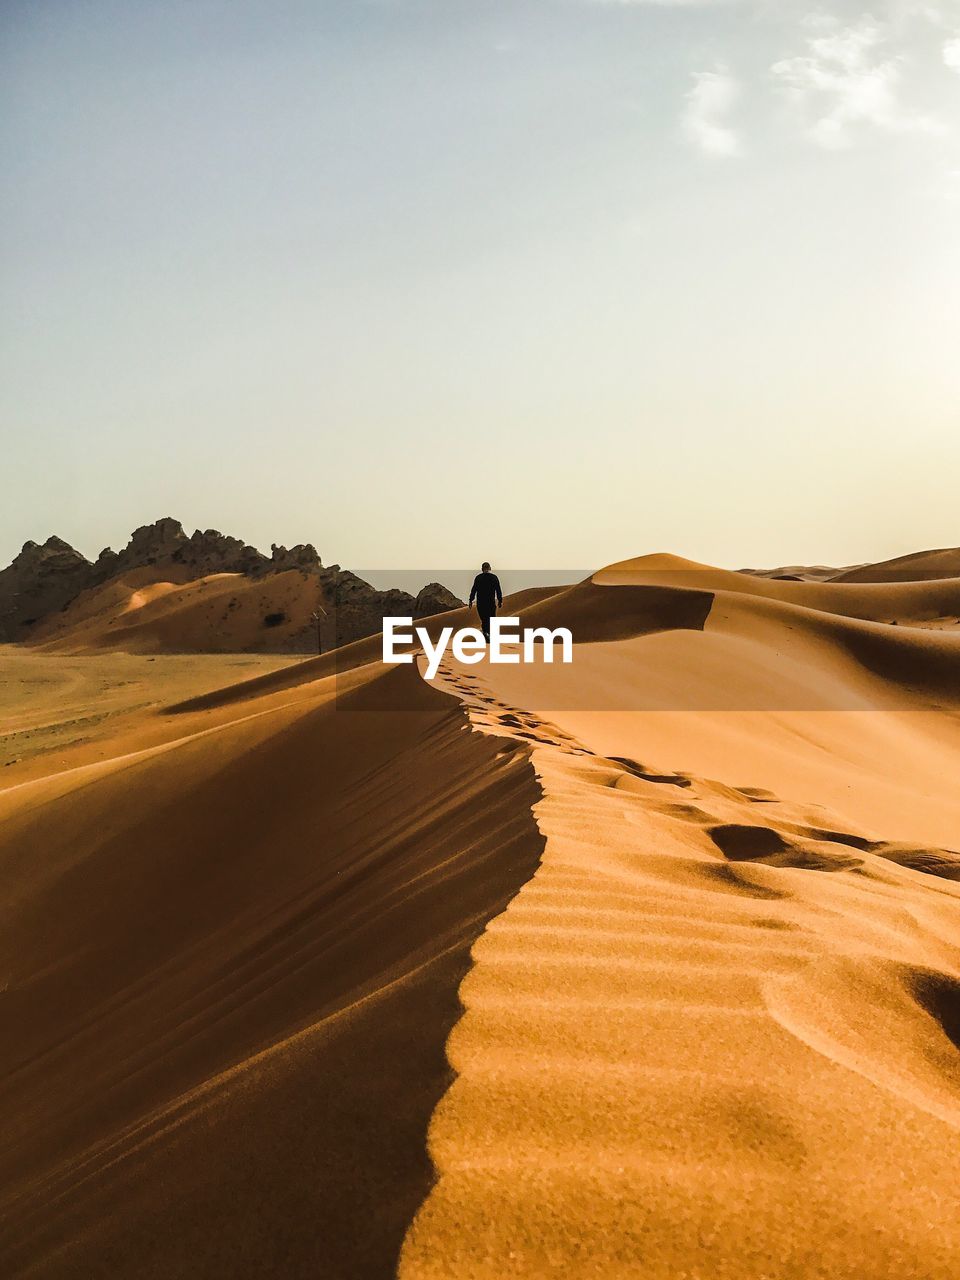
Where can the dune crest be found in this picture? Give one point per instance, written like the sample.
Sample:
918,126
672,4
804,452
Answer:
238,918
700,987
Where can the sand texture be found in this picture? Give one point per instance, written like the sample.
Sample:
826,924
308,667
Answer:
648,966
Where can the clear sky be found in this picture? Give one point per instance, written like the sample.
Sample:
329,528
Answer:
547,282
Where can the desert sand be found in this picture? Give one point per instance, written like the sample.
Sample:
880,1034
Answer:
648,966
50,706
137,613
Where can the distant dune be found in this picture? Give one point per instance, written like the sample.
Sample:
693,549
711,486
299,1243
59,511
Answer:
921,566
798,572
643,966
219,613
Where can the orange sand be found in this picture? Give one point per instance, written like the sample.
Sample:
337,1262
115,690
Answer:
341,974
222,611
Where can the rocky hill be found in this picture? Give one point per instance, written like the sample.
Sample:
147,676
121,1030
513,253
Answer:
166,591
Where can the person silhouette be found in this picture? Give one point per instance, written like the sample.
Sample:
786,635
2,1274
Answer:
486,589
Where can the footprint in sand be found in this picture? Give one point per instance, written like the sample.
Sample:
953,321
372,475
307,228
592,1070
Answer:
638,771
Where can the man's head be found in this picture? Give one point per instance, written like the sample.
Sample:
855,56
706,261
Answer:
485,567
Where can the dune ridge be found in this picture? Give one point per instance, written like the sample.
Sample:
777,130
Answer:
921,565
667,1028
201,987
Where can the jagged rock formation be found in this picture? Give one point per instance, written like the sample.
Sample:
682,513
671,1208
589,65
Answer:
38,582
163,592
302,556
435,598
165,543
353,604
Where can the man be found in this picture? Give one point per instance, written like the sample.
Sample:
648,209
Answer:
486,588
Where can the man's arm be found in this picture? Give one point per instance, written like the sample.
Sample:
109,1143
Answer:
499,592
473,591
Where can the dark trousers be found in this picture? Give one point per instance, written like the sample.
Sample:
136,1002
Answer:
485,621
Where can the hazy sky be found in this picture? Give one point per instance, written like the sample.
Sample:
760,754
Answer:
548,282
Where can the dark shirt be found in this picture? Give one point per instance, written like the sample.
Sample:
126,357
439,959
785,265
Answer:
486,587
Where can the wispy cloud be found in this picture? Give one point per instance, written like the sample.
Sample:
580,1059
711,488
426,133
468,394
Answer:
705,118
951,53
847,78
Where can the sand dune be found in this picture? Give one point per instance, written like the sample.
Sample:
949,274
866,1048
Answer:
944,563
902,601
221,612
645,966
918,566
706,983
799,572
76,706
227,935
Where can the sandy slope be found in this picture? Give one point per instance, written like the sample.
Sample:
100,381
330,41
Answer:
816,706
230,957
716,1035
799,572
944,563
59,703
712,1033
673,1064
163,611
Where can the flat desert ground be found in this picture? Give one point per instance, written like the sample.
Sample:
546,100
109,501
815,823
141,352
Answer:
646,966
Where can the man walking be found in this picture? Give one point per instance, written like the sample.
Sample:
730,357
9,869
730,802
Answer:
486,589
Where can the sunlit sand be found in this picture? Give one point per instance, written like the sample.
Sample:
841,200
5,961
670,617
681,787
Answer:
642,966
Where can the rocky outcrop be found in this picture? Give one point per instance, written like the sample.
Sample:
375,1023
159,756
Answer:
152,544
44,580
435,598
210,551
106,564
303,556
41,580
353,608
356,608
165,543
